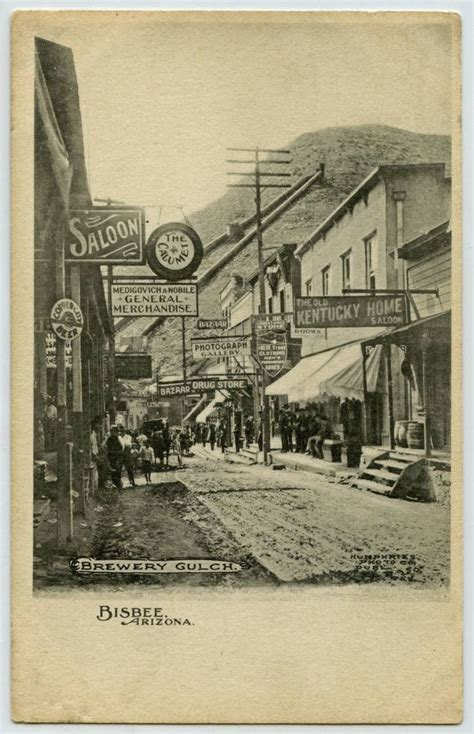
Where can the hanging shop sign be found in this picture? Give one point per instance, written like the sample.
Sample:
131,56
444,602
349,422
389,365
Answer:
109,236
50,342
129,366
269,322
160,299
212,323
66,319
220,346
174,251
271,348
201,385
298,332
348,311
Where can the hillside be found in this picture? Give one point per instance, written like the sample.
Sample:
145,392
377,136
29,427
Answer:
349,154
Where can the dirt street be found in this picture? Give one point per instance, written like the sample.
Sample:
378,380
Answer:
282,526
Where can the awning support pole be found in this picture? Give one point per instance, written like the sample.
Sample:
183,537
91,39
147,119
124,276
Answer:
426,401
388,365
366,395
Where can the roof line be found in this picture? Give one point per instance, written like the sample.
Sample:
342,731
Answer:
367,183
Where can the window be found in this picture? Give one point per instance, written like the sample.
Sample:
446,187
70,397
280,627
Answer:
346,269
282,301
270,305
309,287
371,245
325,280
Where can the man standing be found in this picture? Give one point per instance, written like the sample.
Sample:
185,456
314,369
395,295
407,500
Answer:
115,456
283,424
212,435
49,423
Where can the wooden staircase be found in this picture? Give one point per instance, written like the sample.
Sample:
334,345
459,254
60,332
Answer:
394,474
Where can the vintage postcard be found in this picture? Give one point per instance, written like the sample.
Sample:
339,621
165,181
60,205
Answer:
237,488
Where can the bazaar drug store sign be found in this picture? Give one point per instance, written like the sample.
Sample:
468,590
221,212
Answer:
132,366
223,346
110,236
201,385
160,299
350,311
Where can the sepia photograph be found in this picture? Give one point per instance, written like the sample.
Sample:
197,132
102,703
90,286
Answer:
245,295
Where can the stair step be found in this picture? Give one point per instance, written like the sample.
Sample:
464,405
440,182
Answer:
380,474
373,486
392,464
406,458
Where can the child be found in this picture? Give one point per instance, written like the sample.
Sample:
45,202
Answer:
148,459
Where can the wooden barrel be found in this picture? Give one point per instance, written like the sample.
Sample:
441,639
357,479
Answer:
400,433
416,435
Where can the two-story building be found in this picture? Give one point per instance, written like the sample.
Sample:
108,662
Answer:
360,246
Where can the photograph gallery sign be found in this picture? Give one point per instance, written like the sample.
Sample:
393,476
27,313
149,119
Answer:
350,311
160,299
223,346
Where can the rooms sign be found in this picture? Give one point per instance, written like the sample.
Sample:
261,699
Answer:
347,311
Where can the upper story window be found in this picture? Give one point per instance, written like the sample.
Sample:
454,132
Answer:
309,287
270,305
325,280
346,269
282,301
371,244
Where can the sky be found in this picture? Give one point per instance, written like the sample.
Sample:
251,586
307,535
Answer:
161,101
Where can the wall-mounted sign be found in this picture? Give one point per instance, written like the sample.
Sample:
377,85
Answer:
220,346
109,236
160,299
201,385
269,322
212,323
66,319
298,332
129,366
271,349
51,361
174,251
348,311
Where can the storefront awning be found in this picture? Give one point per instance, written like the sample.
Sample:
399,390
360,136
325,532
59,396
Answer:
218,399
194,409
334,373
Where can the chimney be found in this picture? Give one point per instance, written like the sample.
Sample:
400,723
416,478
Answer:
322,168
235,231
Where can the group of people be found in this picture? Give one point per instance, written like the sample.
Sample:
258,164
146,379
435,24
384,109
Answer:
134,450
304,430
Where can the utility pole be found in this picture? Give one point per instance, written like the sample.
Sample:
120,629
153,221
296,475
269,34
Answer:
259,180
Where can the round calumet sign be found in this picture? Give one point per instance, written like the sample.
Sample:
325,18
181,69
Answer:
66,319
174,251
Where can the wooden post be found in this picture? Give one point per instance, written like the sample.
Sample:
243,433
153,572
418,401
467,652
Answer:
183,346
111,354
63,525
366,395
426,400
388,366
78,453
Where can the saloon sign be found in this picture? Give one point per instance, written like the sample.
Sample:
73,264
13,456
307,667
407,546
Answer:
271,343
110,236
350,311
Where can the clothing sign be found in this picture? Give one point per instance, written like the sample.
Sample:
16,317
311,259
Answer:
347,311
212,323
110,236
271,351
160,299
222,346
201,385
132,366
